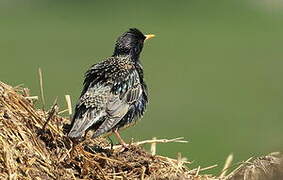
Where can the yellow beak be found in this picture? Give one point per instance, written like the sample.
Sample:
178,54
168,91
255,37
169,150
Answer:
149,36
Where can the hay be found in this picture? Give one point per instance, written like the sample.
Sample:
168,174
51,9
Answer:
34,146
269,167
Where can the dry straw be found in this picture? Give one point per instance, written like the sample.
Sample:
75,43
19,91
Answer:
33,145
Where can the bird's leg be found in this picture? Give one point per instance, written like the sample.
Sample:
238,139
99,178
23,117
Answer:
121,141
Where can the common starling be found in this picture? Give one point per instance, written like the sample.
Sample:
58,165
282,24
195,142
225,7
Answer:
114,94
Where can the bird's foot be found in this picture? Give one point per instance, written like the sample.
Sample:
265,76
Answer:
120,140
124,145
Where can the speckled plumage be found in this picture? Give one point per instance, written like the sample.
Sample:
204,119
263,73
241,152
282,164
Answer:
114,93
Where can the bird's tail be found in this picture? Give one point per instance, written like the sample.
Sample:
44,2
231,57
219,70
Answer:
76,132
80,125
106,126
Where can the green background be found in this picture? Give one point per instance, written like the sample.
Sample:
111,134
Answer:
214,70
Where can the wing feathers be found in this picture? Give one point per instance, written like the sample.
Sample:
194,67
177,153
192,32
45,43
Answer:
106,101
90,109
82,124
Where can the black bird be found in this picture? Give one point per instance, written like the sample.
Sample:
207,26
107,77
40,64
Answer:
114,94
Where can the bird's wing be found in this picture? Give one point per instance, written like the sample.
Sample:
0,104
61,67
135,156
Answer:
109,90
92,102
90,108
96,74
124,93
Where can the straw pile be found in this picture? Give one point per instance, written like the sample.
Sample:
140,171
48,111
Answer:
33,145
30,148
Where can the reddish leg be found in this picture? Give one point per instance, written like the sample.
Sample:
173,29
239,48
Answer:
121,141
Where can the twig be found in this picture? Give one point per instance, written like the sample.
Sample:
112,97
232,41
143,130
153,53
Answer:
153,147
143,173
198,169
239,167
41,87
227,164
209,167
171,159
63,111
32,97
52,113
203,169
69,103
180,160
179,140
26,92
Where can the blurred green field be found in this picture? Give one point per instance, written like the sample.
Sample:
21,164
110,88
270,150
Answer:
214,71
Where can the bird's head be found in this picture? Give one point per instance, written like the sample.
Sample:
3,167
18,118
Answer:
131,43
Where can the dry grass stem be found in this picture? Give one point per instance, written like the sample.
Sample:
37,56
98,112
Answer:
227,164
69,104
41,86
32,97
153,147
178,140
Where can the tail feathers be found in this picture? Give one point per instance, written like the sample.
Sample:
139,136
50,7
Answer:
77,130
106,126
76,134
82,124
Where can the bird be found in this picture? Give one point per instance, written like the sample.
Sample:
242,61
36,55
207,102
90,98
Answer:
114,94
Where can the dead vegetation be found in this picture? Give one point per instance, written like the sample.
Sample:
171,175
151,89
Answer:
34,146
